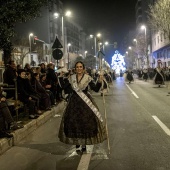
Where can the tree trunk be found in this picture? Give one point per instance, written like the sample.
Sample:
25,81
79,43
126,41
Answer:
7,56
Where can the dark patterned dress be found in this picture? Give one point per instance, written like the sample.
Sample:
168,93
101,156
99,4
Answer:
129,76
159,76
80,125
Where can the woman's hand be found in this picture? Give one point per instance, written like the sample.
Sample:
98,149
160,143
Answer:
3,99
48,86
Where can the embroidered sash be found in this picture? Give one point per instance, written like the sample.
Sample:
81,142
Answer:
85,98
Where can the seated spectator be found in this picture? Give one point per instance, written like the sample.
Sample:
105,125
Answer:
52,78
19,67
45,98
32,92
24,95
6,118
9,77
27,67
47,87
43,68
38,70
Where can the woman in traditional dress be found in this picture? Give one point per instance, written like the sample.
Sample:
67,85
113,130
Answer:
159,76
128,76
81,123
145,74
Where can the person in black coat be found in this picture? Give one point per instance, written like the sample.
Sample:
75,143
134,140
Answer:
6,117
51,78
47,87
9,77
45,98
24,95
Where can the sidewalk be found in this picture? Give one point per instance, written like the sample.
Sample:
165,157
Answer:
32,125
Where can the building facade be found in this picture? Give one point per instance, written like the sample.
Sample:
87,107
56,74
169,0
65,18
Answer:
47,28
158,44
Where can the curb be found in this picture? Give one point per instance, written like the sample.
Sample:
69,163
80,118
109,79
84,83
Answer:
31,126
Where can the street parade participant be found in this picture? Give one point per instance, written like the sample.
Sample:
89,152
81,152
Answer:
145,74
159,76
139,73
128,76
105,86
81,123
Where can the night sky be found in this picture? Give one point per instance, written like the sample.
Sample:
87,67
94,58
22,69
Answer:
113,18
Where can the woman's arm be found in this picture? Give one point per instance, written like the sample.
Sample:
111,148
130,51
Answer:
95,87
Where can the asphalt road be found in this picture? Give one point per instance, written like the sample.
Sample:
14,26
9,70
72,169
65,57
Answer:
138,118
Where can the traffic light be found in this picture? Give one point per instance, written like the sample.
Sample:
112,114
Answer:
35,39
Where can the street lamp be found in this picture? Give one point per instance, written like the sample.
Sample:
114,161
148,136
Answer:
135,40
95,44
137,59
30,35
143,27
85,53
67,14
106,43
130,48
68,45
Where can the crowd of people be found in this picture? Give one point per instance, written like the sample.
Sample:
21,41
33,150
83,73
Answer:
158,74
39,89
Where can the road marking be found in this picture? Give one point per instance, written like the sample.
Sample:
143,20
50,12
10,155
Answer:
162,125
132,92
85,159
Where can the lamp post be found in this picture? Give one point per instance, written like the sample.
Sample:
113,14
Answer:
100,62
95,48
67,14
68,48
30,35
137,59
143,27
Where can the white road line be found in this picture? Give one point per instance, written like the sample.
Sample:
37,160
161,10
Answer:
132,92
85,159
162,125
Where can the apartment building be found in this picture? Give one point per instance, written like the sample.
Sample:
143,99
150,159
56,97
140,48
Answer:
46,28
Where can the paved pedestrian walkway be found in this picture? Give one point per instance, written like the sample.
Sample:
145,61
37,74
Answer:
7,143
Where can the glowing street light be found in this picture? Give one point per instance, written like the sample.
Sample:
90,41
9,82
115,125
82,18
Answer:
68,13
143,27
130,48
98,35
56,15
30,35
85,53
135,40
106,43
